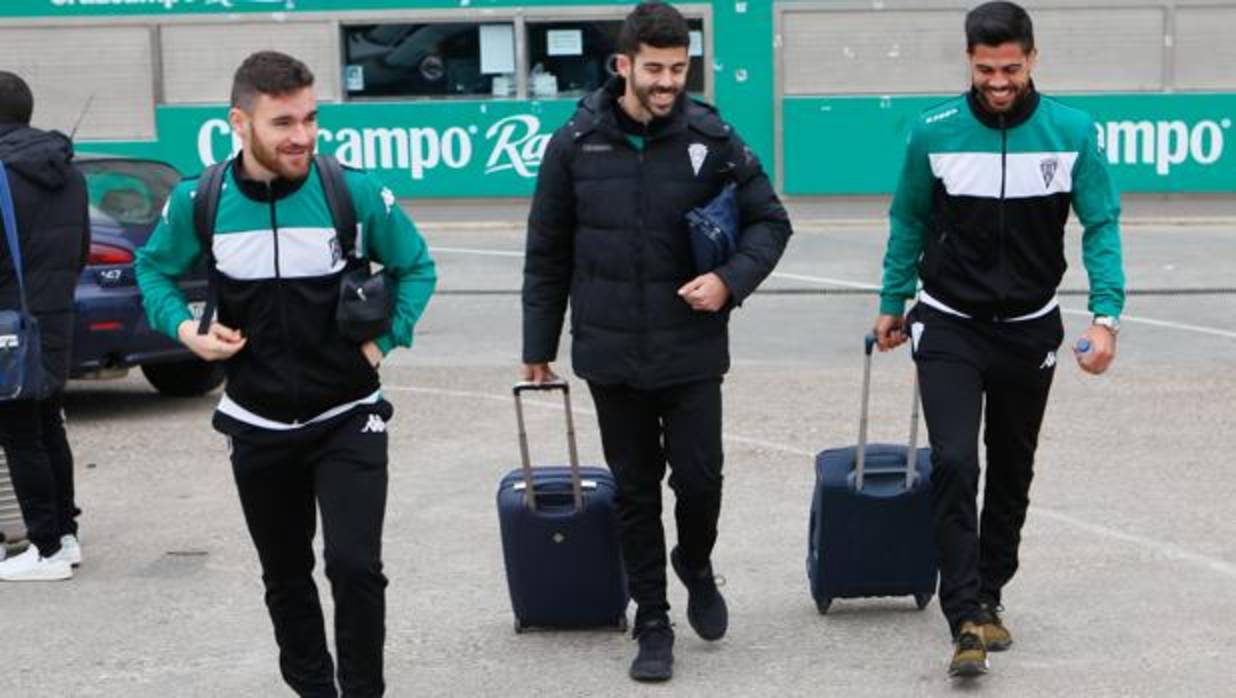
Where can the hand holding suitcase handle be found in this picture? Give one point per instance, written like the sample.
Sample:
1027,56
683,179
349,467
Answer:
577,485
869,343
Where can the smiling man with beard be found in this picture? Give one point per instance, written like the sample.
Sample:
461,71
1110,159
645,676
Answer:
650,331
303,409
979,216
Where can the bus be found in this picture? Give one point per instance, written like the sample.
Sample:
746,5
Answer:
457,98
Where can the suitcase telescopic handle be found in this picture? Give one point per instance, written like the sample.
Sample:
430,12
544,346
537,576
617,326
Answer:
869,343
577,487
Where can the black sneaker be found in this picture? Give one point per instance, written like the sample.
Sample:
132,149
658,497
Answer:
706,610
655,660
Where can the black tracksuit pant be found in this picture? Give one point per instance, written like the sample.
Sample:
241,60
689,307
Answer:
41,467
640,431
963,363
340,468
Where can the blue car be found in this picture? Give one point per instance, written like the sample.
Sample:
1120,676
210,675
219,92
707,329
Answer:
111,334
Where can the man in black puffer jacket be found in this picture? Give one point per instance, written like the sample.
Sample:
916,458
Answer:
607,230
53,226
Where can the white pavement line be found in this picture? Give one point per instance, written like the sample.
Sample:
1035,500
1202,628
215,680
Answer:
824,225
1215,332
480,252
1160,323
825,280
471,251
1136,319
1168,550
471,226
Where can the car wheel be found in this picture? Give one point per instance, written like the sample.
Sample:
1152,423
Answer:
188,378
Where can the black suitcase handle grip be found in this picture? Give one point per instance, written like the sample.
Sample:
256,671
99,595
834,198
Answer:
577,488
869,342
525,386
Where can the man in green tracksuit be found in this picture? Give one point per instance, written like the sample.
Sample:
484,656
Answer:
979,216
303,409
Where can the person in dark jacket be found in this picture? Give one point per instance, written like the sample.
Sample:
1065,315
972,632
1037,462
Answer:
649,332
53,227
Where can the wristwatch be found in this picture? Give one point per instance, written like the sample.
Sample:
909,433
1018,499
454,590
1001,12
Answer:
1111,322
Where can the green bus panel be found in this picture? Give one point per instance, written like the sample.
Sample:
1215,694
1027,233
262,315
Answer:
1154,142
743,85
419,149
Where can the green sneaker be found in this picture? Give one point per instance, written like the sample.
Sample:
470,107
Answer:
995,635
969,654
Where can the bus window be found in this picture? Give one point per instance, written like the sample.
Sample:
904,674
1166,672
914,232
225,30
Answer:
444,59
572,58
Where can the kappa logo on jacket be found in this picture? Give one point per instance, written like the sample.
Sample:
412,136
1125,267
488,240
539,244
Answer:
375,425
698,153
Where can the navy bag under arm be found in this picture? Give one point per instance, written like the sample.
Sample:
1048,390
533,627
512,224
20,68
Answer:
714,230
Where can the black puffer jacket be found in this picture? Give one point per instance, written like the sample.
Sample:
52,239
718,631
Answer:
53,223
607,229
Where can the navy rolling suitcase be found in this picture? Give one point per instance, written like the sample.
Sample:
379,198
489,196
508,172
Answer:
871,531
560,537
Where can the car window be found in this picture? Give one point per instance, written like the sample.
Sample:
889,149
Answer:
126,191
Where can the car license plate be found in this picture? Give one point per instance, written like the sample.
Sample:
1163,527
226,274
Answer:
196,308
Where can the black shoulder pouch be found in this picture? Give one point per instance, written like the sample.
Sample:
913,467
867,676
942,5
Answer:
365,300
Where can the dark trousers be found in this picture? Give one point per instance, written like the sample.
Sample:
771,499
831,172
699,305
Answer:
961,362
339,467
41,467
640,431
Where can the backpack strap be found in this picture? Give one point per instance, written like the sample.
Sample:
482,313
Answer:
10,233
205,211
339,200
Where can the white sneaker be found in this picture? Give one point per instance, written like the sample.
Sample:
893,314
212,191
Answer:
30,566
70,550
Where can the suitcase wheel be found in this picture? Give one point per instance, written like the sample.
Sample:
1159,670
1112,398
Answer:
519,627
921,600
822,605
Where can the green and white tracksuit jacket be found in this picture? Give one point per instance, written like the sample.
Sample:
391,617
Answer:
279,268
981,206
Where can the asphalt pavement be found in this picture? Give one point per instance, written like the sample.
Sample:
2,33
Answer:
1128,579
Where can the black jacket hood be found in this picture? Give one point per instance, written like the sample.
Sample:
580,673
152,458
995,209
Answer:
42,157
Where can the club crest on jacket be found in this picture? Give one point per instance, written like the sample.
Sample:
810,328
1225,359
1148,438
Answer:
1048,167
698,153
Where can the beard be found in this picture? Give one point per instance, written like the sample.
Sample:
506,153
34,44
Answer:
645,94
1015,93
268,157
